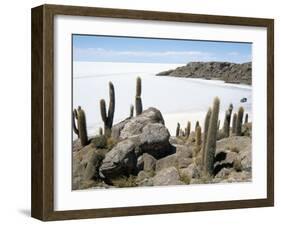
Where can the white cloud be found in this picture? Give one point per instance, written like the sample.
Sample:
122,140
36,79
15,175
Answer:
111,53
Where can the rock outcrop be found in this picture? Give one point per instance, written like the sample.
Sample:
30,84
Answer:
141,152
143,134
228,72
167,176
121,160
134,126
85,168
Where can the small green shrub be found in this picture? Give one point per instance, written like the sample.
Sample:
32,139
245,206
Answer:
123,182
111,142
99,141
185,179
237,165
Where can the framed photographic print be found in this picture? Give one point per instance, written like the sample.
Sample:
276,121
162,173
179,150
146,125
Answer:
141,112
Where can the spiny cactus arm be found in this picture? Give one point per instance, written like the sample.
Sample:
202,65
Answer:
100,131
82,127
138,101
188,129
239,121
246,118
178,130
234,120
212,139
103,110
74,116
198,136
138,105
230,108
111,107
131,111
226,123
138,87
196,125
75,113
206,127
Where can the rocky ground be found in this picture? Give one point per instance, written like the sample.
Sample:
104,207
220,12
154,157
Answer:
141,152
228,72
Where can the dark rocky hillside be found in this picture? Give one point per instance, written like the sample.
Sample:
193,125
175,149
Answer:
228,72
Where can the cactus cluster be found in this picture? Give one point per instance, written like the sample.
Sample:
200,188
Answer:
81,128
237,121
138,101
210,141
108,117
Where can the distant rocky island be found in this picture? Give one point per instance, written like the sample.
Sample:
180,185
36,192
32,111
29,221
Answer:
225,71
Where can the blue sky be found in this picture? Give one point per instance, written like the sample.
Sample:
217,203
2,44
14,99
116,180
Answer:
146,50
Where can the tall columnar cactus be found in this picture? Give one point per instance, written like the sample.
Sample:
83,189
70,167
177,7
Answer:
198,137
131,111
246,118
178,130
181,133
226,123
211,139
108,117
234,120
196,125
138,101
75,117
100,131
187,133
82,126
239,121
206,127
230,108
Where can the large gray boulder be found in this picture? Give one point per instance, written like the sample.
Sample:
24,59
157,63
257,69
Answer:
182,158
192,171
167,162
149,162
134,126
145,178
168,176
92,168
145,133
235,151
85,167
154,140
121,160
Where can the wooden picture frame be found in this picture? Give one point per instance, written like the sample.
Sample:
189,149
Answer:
42,203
